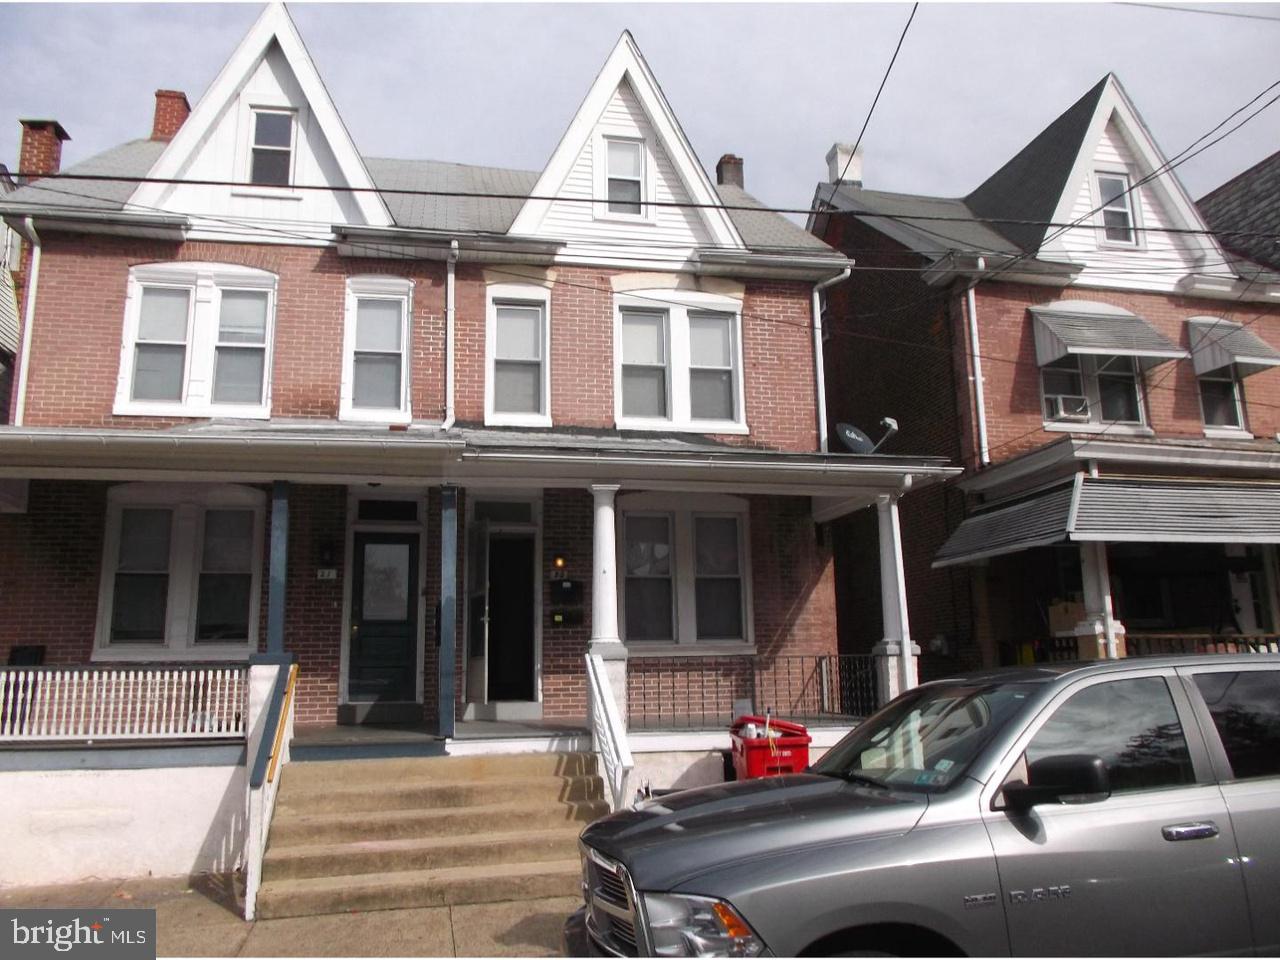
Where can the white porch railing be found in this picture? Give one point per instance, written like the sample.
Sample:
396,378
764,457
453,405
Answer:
609,733
40,704
273,736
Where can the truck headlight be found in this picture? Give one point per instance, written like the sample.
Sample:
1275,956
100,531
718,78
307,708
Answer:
686,926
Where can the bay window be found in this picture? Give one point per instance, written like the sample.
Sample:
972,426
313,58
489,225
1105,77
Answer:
375,364
517,355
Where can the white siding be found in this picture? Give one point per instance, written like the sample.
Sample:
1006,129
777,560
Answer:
9,246
577,220
223,153
1162,259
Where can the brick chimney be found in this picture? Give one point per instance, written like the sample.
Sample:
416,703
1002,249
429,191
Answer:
172,110
729,170
40,152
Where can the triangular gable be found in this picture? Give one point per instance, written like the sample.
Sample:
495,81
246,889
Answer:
626,67
273,30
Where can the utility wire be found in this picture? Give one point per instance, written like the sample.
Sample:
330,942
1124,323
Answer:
1210,13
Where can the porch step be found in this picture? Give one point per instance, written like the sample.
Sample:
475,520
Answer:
326,773
417,794
420,888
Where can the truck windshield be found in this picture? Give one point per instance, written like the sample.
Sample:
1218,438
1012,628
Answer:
926,740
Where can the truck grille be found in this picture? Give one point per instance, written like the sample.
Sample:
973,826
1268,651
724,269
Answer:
611,911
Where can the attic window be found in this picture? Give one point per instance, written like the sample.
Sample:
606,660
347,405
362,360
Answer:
272,159
625,176
1117,214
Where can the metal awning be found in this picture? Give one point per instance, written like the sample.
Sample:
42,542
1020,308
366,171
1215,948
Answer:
1218,343
1074,327
1120,509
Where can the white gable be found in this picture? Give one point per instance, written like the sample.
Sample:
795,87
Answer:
625,102
270,69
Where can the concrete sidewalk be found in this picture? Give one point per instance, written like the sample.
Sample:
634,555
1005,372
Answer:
201,918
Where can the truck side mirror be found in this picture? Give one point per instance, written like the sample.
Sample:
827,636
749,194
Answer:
1055,779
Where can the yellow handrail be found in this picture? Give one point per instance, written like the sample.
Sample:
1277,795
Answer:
284,721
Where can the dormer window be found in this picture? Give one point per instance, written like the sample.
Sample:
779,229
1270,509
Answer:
625,176
271,163
1117,211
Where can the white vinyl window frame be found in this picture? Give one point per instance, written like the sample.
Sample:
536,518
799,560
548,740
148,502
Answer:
395,289
205,283
187,503
1228,375
604,135
1127,203
1094,422
682,511
677,306
516,295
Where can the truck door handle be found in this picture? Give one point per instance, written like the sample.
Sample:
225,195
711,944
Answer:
1190,831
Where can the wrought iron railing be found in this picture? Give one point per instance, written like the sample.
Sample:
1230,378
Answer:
1164,644
701,693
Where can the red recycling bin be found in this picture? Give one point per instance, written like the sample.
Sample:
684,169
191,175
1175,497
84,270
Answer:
785,751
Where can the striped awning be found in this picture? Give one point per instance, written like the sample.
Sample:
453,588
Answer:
1068,327
1217,343
1120,509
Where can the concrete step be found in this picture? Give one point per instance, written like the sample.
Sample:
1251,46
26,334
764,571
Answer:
420,853
295,827
419,888
323,774
405,794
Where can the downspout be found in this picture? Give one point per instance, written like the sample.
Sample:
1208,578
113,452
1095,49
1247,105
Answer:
448,334
819,375
29,319
984,452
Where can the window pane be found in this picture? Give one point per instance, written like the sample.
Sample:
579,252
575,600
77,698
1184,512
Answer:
1119,396
644,338
1219,400
1130,724
164,314
228,541
624,159
711,394
648,609
222,610
1111,189
716,545
243,317
719,603
138,608
710,341
1062,382
144,540
648,546
270,168
1246,710
624,196
517,387
273,129
378,325
1117,225
237,375
157,372
644,392
385,582
376,382
519,333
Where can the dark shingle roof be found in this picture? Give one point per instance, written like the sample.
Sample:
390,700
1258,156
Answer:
1249,202
132,159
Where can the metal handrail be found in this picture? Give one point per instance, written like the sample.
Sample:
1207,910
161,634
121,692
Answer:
280,727
609,733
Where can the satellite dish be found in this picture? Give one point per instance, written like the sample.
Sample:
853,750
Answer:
854,439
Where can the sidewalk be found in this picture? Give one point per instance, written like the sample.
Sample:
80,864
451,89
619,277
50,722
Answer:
202,919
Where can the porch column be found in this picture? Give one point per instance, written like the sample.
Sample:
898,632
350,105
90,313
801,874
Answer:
1099,635
896,663
448,608
279,566
605,640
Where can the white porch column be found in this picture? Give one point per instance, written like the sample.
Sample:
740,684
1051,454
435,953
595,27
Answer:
1099,635
605,640
897,663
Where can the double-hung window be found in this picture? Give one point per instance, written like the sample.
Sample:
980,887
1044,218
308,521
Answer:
518,347
1220,399
624,176
181,572
271,156
1092,389
1118,397
679,363
375,381
197,341
1116,207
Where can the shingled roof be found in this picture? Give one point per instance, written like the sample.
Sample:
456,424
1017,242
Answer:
1249,202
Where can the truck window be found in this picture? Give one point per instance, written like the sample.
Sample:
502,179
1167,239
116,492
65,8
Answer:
1245,707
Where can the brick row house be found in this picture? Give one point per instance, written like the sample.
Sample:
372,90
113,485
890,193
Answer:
1073,334
434,431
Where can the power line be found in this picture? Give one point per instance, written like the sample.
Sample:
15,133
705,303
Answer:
1209,13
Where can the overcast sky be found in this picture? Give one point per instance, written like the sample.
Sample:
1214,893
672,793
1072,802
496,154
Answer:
497,83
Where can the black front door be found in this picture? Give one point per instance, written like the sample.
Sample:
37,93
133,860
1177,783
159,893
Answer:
511,616
384,618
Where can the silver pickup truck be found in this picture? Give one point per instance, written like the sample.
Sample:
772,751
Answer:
1128,807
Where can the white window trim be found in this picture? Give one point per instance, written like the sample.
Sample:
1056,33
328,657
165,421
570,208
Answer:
377,288
205,281
600,175
1095,423
682,509
1132,198
1220,431
520,294
677,306
189,502
244,159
